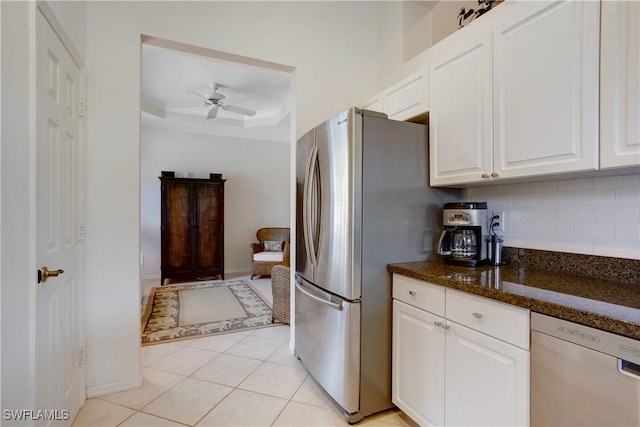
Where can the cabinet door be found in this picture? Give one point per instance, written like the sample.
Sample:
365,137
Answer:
418,364
177,248
460,116
487,380
620,85
375,104
208,241
545,85
409,98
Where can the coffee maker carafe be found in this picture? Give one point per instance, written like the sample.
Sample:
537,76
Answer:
464,238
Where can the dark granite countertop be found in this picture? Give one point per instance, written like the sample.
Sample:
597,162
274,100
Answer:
604,304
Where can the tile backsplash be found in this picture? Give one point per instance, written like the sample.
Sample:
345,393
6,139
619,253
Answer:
593,216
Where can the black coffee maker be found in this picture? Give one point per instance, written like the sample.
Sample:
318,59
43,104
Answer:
464,238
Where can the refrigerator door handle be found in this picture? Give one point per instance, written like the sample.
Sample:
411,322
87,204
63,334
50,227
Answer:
312,295
309,206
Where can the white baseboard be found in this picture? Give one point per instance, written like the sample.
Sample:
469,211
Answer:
101,390
235,273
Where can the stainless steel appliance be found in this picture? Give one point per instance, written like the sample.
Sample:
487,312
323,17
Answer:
581,376
363,201
464,238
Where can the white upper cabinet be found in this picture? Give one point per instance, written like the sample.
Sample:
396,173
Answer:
516,94
460,117
545,86
375,104
409,98
620,85
404,100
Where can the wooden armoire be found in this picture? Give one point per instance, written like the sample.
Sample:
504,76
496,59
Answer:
192,227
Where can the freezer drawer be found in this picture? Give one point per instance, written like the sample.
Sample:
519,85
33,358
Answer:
328,342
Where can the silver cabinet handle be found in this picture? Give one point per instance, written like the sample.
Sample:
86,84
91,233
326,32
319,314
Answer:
412,292
437,323
446,327
495,174
477,315
485,175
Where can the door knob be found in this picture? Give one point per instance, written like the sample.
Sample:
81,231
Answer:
44,273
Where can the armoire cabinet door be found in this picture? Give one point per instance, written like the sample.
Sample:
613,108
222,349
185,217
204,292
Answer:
619,84
545,85
176,238
460,117
208,241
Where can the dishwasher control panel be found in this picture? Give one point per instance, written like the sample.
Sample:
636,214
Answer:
595,339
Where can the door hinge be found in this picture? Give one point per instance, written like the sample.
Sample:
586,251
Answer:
82,109
81,233
81,358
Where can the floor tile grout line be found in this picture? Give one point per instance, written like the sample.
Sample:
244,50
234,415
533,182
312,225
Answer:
237,387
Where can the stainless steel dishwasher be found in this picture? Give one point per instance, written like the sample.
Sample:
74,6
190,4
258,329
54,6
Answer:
581,376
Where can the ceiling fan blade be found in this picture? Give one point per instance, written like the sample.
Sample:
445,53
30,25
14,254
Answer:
213,112
239,110
198,93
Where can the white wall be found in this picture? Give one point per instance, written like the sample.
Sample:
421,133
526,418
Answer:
594,216
333,47
17,233
256,190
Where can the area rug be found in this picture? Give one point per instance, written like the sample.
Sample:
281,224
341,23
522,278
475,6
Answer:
193,310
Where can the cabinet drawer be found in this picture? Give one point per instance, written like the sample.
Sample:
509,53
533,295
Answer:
419,293
503,321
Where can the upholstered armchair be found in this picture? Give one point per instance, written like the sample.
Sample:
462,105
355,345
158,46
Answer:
272,249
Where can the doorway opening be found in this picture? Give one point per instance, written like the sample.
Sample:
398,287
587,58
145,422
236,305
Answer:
209,112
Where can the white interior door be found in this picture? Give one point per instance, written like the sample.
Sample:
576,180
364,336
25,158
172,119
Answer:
60,380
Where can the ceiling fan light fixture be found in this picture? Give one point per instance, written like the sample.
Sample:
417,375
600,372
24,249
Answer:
214,99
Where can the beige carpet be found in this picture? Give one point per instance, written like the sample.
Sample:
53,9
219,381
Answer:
196,306
193,310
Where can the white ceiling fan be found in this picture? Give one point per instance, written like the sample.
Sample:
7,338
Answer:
214,99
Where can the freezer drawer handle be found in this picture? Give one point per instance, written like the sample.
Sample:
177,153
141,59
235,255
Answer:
337,306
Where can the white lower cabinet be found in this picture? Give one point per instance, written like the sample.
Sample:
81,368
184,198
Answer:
457,373
418,353
486,380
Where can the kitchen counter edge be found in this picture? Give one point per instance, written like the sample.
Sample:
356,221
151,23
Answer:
478,281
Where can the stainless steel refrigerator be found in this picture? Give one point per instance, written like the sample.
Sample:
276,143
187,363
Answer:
363,201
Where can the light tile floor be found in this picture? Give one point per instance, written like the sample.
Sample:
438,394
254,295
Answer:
246,378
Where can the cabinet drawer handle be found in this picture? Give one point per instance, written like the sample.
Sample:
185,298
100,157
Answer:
437,323
477,315
412,292
446,327
485,175
495,174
